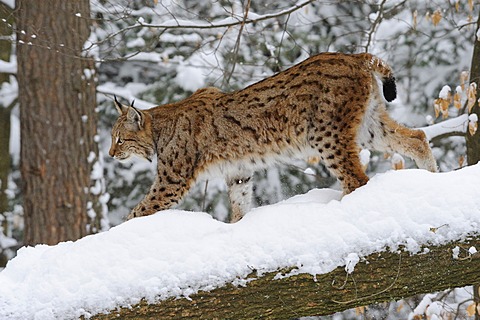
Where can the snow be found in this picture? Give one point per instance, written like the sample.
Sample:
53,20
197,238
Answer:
350,262
309,171
193,72
176,253
365,156
6,242
445,92
8,66
10,3
397,159
455,252
458,124
126,92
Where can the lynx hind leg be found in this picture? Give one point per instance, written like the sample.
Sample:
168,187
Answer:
410,142
240,193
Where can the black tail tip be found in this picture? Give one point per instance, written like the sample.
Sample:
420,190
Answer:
389,89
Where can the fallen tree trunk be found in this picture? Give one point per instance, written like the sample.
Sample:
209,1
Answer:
381,277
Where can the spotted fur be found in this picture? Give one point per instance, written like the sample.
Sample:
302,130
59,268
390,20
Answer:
326,106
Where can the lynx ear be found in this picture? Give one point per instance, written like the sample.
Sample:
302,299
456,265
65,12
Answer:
120,107
135,116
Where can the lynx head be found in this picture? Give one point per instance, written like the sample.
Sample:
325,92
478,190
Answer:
132,134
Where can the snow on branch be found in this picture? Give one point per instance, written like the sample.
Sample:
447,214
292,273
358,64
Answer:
456,125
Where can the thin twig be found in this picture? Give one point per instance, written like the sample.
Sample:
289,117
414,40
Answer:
209,25
228,76
377,293
375,24
204,200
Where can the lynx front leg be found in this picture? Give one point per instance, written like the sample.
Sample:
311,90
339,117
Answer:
348,170
340,156
240,194
165,193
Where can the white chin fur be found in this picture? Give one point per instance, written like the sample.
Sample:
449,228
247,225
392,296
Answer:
123,160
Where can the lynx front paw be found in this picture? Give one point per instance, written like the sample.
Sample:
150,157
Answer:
136,212
131,215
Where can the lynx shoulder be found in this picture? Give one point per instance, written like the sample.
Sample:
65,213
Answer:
328,106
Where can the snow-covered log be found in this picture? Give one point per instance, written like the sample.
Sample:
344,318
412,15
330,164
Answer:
405,232
381,277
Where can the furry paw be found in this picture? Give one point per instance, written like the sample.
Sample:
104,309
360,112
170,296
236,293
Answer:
131,215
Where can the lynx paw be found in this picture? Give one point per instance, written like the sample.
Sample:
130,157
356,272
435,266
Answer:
131,215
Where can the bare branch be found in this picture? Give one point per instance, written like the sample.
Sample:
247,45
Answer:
224,23
228,76
375,24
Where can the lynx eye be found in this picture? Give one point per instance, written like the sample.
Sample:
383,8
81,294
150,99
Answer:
119,141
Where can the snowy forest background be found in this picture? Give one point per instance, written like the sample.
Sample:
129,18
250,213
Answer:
161,51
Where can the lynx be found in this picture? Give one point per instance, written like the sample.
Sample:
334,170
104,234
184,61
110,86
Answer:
328,106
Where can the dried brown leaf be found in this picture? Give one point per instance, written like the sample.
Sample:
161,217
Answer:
359,310
436,17
414,22
472,127
461,161
464,75
437,106
471,96
471,309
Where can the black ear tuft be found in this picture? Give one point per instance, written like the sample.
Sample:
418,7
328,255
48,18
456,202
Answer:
120,108
131,104
389,89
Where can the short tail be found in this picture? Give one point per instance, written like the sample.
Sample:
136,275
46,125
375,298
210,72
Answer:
383,70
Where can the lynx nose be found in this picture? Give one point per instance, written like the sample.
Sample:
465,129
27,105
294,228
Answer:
111,152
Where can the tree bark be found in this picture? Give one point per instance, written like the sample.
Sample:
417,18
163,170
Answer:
58,121
5,51
5,111
381,277
473,141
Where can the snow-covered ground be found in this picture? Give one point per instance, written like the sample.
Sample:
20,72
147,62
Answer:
176,253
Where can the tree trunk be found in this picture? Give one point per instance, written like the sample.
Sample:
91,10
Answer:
473,141
57,116
385,277
5,110
5,51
